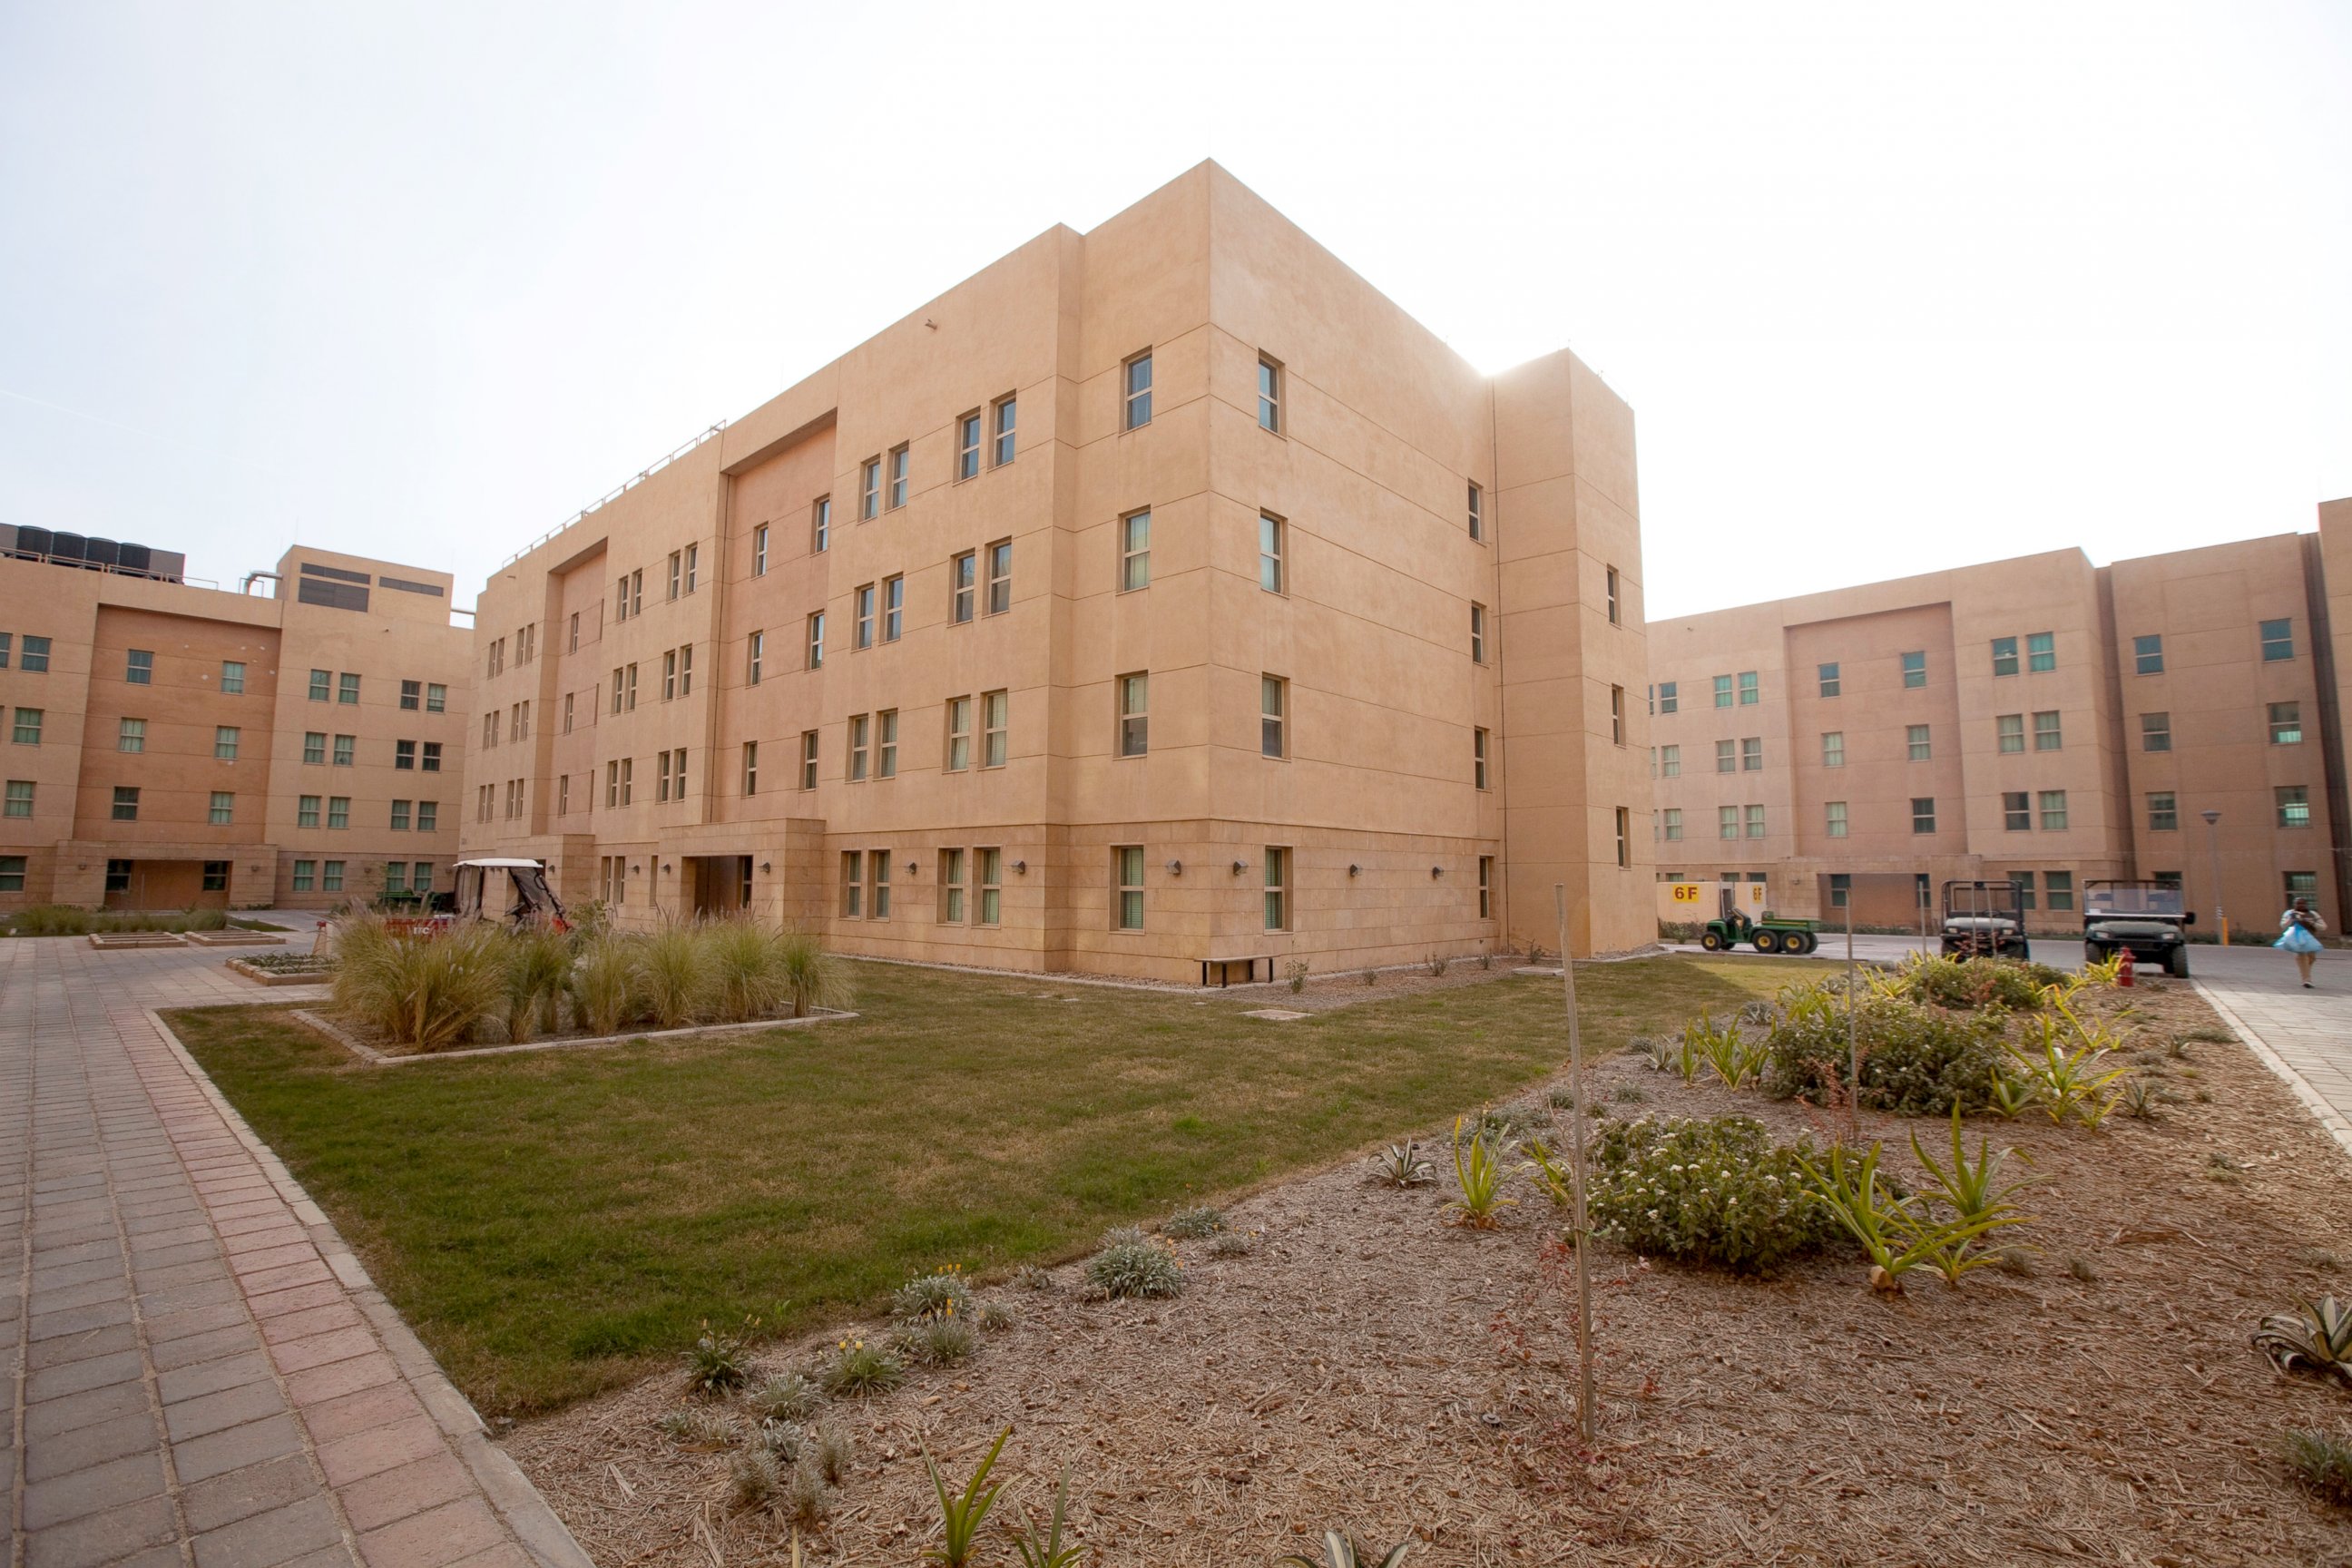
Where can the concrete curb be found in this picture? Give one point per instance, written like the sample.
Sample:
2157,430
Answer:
2338,1126
374,1058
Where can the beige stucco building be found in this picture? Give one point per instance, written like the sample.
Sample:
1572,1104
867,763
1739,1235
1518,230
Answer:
1159,597
173,746
2038,718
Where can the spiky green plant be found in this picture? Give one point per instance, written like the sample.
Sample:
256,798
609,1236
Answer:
2142,1099
2315,1336
1896,1232
1340,1551
2321,1461
427,992
786,1396
672,975
962,1514
1135,1266
2064,1059
856,1369
700,1429
1193,1224
538,972
941,1293
1478,1170
1048,1549
943,1341
830,1449
1403,1166
812,977
744,970
2009,1096
754,1480
1974,1192
716,1362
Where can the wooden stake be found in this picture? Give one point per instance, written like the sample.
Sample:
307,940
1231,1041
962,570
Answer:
1575,1176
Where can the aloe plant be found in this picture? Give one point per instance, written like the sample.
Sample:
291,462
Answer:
1403,1166
1974,1194
1340,1551
2317,1335
2064,1066
1479,1167
1896,1232
962,1516
1049,1550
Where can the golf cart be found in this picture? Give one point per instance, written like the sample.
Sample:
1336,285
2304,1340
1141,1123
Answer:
2145,917
1984,919
514,891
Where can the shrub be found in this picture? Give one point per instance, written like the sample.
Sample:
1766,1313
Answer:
1916,1060
1232,1244
1436,966
938,1342
430,992
2322,1461
1979,982
1192,1223
1295,972
1715,1192
858,1368
941,1293
1134,1267
672,975
992,1315
787,1396
716,1362
1030,1277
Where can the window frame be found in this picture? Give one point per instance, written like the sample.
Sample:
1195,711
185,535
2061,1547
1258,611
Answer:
995,727
1273,717
1135,391
1134,539
1830,678
1131,702
1273,555
1125,860
1004,418
1276,864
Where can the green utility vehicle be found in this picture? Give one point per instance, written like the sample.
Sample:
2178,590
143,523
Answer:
1769,934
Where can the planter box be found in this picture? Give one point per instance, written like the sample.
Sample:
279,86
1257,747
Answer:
236,939
110,940
268,977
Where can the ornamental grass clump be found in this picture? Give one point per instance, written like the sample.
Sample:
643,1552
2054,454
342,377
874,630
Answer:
430,992
1134,1266
742,962
538,975
1715,1192
856,1369
2322,1461
943,1293
812,978
604,984
1193,1224
673,975
786,1396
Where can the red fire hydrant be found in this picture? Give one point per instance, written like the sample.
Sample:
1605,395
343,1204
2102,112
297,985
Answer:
2124,966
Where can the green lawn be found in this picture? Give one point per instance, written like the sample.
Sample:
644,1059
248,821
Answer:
551,1223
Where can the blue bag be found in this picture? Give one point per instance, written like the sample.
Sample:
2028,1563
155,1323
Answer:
2295,938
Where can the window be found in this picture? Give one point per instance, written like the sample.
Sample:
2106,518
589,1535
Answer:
1669,696
1137,379
1670,761
1915,739
898,487
759,569
2163,813
2004,656
755,649
2148,655
563,795
2052,803
1840,889
1754,825
1723,691
1486,877
751,767
339,811
894,607
1478,634
1617,718
621,598
808,759
1478,511
572,646
436,697
1726,822
399,815
347,690
35,657
1278,889
636,586
19,801
870,490
2278,641
1478,758
878,884
1672,819
2059,886
5,640
428,819
958,756
232,678
991,868
661,781
2156,732
2016,811
224,739
2293,801
1726,756
496,659
995,708
2286,723
820,525
330,876
412,696
1751,754
306,874
962,573
1007,411
1269,406
999,576
140,668
886,743
396,876
951,887
306,812
1923,813
967,466
815,642
118,876
1613,597
1134,552
346,748
859,723
1829,685
1749,694
2042,652
1833,748
27,729
2009,732
1273,693
1834,815
676,559
126,803
861,623
1127,886
1134,715
1915,670
11,873
432,756
2300,884
314,745
490,718
131,735
2046,737
1270,550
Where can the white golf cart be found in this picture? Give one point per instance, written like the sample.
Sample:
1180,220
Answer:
512,891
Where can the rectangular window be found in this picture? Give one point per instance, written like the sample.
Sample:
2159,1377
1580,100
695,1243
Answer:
758,567
962,573
428,819
1273,699
1007,418
2004,656
306,874
432,756
951,874
222,812
1755,824
1487,878
339,811
35,658
894,607
1726,756
1723,691
131,735
1726,822
306,811
1612,586
2286,723
19,798
26,730
2046,737
886,743
347,690
2278,641
1916,741
1670,761
1134,715
1923,813
2148,655
1617,718
412,696
968,446
396,876
996,712
1137,379
1835,813
1749,693
878,884
2016,811
1478,634
2156,732
404,755
861,622
2059,886
2009,732
2163,813
399,815
1751,754
421,878
1833,748
225,741
898,460
1672,819
126,803
436,698
490,718
346,750
1915,670
991,868
859,724
621,598
1127,886
870,490
1669,696
1134,552
816,641
2300,884
1269,397
1478,758
661,781
330,876
959,753
1478,511
676,559
140,670
2027,898
611,786
2293,802
1829,685
999,576
2052,803
1278,889
5,640
232,678
1840,889
314,745
1270,551
2042,652
820,525
751,767
808,759
755,653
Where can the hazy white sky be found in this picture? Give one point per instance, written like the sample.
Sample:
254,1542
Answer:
1888,289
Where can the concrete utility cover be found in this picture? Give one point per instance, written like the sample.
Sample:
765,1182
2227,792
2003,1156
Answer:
1279,1015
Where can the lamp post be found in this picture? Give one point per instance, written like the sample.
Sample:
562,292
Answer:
2213,842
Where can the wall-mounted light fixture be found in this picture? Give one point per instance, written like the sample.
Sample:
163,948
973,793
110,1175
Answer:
636,870
669,867
1020,868
911,867
1437,870
1354,870
1175,868
765,867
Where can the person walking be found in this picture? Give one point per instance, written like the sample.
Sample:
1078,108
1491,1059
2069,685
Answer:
2299,930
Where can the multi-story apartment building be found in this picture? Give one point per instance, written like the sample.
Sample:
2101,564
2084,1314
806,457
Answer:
175,746
2037,719
1159,597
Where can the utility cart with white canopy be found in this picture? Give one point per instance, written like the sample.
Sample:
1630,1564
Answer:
512,891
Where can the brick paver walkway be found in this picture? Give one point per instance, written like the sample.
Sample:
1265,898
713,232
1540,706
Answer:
2305,1035
199,1372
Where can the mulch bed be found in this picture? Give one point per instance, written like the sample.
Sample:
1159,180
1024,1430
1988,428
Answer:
1371,1365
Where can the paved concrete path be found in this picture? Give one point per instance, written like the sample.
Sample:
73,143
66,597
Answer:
199,1373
